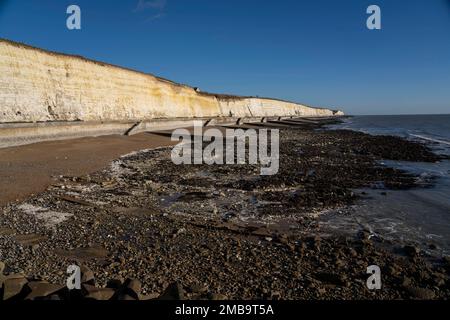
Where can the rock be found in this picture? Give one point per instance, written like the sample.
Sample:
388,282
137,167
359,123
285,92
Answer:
92,292
446,260
339,263
2,277
173,292
197,288
151,296
421,293
291,246
34,248
114,284
353,252
217,297
134,285
364,235
411,251
13,287
301,248
114,264
87,276
322,291
180,231
275,295
40,289
406,282
440,275
316,241
281,238
393,270
439,282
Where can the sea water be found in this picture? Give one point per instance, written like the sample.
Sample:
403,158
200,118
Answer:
419,216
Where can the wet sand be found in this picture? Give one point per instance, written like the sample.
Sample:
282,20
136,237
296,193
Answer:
30,169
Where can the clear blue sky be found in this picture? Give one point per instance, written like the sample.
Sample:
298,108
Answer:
316,52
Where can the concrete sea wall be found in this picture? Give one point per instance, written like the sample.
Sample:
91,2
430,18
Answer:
38,86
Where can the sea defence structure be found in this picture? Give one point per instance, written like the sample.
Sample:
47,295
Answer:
46,95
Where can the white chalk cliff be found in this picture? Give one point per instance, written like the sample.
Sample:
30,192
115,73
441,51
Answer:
42,86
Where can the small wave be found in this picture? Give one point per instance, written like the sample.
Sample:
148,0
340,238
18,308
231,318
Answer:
430,139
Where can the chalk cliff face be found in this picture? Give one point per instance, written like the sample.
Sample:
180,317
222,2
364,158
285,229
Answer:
40,86
257,107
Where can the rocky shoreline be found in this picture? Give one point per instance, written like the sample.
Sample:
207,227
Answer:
221,232
17,287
